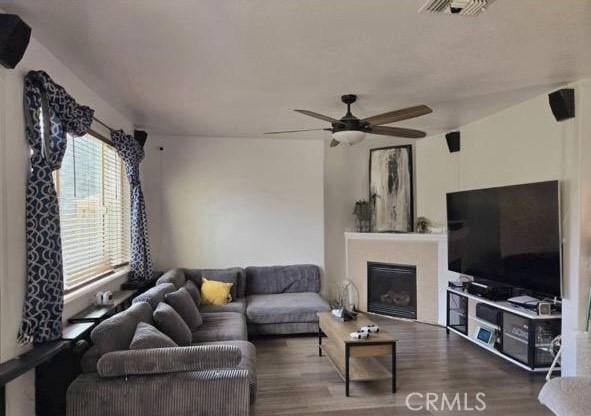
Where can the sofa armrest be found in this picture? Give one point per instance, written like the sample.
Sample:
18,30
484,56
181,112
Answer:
90,359
204,393
168,360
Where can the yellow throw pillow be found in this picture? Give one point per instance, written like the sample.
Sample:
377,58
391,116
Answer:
214,292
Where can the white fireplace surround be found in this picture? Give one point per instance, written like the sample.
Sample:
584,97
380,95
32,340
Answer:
428,252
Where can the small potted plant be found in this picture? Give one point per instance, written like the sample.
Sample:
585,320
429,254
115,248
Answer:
362,214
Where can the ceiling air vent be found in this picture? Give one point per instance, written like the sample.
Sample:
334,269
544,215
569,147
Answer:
459,7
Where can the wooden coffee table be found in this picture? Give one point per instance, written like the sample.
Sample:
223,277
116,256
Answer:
356,359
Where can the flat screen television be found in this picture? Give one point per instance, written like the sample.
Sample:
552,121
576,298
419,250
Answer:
509,234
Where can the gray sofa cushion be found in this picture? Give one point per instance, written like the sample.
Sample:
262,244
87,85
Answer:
170,322
220,275
169,360
567,396
155,295
221,326
284,307
193,291
174,276
247,362
116,333
146,336
282,279
237,305
185,306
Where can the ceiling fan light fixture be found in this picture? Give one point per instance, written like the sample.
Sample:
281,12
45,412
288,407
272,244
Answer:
349,136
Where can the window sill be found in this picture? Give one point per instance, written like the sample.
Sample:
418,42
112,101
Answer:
95,286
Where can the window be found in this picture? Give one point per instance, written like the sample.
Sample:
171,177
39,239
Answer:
93,194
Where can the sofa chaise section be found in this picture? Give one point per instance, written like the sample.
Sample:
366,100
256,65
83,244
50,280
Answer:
283,299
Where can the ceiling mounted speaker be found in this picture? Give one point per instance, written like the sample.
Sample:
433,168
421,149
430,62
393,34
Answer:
453,141
562,103
14,39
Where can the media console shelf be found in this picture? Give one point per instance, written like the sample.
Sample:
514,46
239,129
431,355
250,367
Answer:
521,336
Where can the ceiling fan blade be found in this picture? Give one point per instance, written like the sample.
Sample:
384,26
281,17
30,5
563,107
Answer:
398,115
318,116
334,143
397,132
295,131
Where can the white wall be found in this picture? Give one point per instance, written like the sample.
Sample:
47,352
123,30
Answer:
518,145
217,202
13,174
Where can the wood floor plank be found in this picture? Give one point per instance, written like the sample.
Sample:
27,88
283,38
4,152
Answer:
294,380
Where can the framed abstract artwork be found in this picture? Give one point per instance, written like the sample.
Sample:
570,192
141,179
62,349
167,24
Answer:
391,189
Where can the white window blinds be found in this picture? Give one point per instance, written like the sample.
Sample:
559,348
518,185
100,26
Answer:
93,194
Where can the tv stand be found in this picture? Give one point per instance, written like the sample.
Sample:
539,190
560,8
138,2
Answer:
517,334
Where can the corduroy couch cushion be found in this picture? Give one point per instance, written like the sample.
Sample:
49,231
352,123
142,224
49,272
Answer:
155,295
221,326
193,291
168,360
285,308
170,322
116,332
184,305
174,276
146,336
282,279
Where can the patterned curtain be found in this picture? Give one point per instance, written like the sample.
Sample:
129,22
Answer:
132,153
50,113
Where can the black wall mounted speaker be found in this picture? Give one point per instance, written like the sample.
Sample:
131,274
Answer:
453,141
14,39
141,136
562,103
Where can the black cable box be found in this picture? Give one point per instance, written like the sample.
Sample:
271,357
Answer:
490,289
488,313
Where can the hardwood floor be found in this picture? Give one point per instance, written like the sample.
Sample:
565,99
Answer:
294,380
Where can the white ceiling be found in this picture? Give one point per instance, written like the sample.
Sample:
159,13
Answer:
238,67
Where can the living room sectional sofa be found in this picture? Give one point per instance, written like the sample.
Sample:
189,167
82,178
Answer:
216,374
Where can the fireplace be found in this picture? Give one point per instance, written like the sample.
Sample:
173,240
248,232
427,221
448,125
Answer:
392,289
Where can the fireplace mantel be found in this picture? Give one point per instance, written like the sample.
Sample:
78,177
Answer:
428,252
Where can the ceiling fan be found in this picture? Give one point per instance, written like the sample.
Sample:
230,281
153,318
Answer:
352,130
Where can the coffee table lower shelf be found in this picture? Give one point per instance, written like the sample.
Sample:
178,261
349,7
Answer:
356,359
360,368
